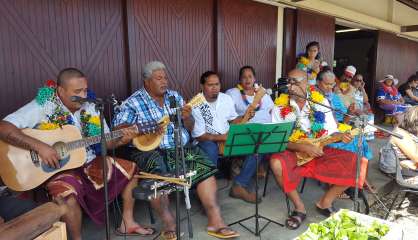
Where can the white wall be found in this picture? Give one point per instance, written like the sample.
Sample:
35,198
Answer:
375,8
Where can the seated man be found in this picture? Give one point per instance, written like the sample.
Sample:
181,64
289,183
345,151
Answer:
82,188
330,165
152,103
211,128
325,84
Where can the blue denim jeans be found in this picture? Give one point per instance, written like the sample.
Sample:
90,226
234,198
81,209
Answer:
248,168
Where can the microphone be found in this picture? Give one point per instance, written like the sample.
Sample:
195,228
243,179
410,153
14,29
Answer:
82,100
112,100
173,102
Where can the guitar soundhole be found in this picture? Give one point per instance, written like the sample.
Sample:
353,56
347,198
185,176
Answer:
61,149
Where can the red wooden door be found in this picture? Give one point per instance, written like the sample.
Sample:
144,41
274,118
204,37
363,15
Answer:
178,33
247,35
38,38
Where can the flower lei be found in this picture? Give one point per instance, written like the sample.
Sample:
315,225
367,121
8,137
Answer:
317,118
244,97
57,116
304,64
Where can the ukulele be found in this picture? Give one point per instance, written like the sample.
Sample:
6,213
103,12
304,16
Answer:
259,94
321,142
150,141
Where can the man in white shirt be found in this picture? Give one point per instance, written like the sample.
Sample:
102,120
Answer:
211,127
81,188
334,166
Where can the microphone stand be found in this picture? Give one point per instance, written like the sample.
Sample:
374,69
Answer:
361,123
100,108
178,126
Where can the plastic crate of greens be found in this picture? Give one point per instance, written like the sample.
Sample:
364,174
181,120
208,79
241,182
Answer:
348,225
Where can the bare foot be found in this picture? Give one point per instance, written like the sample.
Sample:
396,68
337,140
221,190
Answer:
135,228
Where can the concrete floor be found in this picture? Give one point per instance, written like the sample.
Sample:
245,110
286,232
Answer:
273,207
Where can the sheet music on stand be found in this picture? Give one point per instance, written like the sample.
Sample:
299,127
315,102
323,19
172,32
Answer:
255,139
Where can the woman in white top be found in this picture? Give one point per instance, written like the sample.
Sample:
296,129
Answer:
243,95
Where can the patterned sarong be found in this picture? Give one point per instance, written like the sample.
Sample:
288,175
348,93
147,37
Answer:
86,184
164,161
335,167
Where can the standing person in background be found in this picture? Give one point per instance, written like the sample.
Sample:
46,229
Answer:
409,90
310,62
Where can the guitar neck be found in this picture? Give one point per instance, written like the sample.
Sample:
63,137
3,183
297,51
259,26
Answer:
85,142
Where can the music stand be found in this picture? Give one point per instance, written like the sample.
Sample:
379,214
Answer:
257,138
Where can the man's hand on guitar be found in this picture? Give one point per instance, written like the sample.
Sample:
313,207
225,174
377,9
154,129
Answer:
48,155
312,150
186,112
127,135
345,137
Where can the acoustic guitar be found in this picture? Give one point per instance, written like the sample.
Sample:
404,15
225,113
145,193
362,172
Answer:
321,143
259,94
148,142
22,169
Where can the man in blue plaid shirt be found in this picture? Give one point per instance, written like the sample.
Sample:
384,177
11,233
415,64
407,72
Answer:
152,103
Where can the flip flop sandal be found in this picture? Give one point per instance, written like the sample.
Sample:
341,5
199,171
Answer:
165,235
132,232
295,219
326,211
220,233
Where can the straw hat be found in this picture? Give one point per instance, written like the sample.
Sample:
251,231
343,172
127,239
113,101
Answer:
395,80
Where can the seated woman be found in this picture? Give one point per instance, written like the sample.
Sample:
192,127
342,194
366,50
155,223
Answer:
310,62
243,95
362,105
409,90
407,147
390,100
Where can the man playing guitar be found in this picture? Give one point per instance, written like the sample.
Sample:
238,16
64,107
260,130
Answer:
211,127
334,166
81,188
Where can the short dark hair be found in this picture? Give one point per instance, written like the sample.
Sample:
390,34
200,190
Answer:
241,71
68,73
412,78
206,75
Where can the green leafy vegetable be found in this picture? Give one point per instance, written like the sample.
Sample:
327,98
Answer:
344,227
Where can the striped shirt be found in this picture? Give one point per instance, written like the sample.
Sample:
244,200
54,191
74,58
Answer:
141,107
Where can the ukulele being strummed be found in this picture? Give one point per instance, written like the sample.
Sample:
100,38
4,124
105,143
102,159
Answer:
321,142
